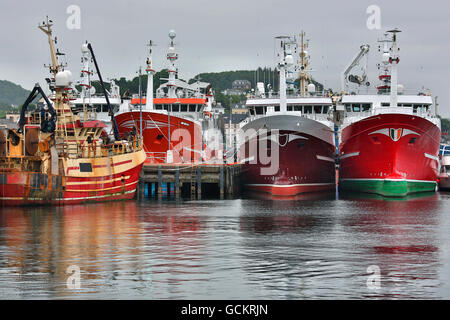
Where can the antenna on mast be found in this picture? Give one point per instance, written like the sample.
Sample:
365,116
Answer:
46,27
150,72
150,46
304,76
394,60
172,56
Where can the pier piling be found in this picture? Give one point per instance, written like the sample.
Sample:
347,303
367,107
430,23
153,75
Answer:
221,186
199,183
159,182
204,180
177,183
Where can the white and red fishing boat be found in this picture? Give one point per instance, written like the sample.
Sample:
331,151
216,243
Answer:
287,144
174,120
55,158
389,140
88,103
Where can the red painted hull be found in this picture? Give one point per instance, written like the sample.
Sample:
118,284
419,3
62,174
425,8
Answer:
305,165
30,188
185,135
390,147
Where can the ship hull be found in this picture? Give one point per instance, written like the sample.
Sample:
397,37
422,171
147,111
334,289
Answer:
111,178
185,136
390,154
305,159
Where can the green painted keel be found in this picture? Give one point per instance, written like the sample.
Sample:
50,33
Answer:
387,188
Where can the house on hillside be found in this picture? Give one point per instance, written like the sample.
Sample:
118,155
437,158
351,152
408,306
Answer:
242,85
238,87
12,116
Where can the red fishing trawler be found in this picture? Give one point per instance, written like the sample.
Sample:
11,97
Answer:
54,158
173,122
389,140
287,144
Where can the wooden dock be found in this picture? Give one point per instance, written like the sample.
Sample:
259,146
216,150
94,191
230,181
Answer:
189,180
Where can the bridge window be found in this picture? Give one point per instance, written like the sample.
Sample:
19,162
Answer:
307,109
420,106
259,110
192,108
294,108
365,106
85,167
184,108
176,108
317,109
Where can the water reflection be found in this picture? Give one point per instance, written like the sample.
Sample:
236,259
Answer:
273,216
400,236
314,246
311,249
41,243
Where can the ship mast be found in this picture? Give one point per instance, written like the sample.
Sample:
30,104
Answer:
63,80
286,60
150,72
85,75
172,56
46,27
394,60
304,77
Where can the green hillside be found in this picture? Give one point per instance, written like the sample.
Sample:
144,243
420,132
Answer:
223,80
11,93
219,81
445,125
129,87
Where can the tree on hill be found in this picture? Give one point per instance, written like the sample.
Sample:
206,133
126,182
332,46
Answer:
11,93
132,86
445,124
221,81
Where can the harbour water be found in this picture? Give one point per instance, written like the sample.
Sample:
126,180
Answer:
310,247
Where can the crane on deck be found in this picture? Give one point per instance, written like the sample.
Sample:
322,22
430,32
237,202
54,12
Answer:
346,77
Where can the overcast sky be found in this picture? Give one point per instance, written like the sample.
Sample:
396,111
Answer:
228,35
